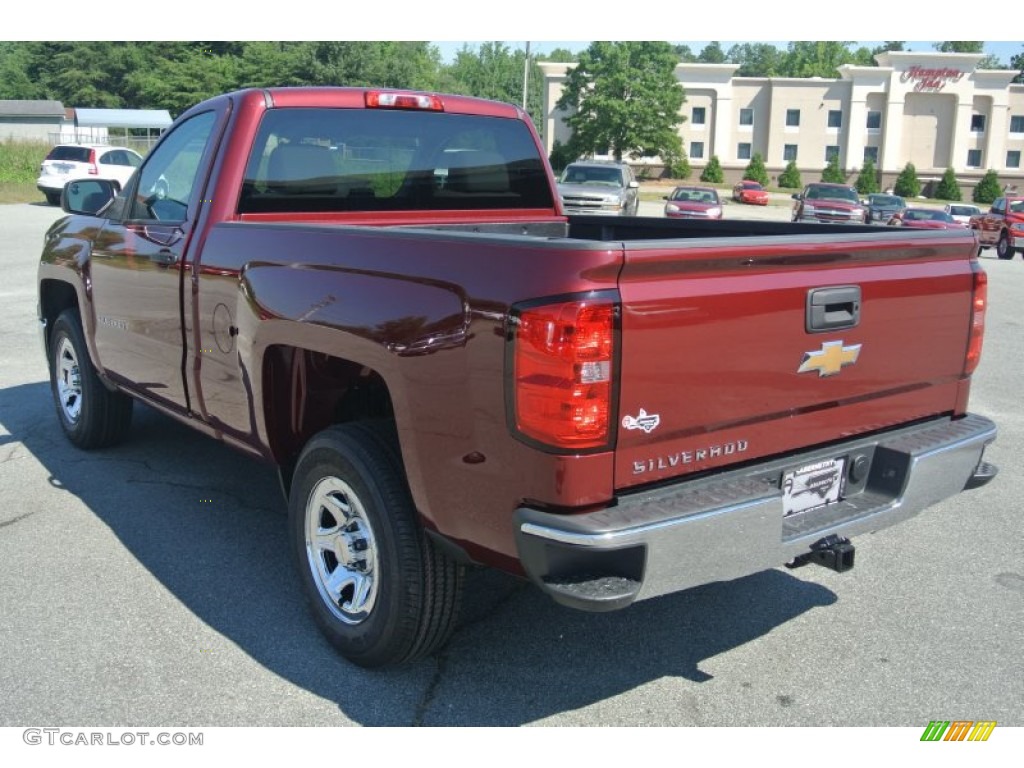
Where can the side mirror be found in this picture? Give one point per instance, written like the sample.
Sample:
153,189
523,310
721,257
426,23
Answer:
634,185
87,196
798,196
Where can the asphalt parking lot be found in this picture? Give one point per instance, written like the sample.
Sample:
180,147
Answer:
149,583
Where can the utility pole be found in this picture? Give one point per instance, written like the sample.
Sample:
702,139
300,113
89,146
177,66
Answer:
526,74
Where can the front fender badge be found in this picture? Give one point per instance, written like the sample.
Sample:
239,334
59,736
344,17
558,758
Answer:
830,359
645,421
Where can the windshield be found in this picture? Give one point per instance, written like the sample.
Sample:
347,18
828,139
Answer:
846,194
585,174
694,195
887,200
921,215
963,210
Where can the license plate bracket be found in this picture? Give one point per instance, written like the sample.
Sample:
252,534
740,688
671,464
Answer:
812,486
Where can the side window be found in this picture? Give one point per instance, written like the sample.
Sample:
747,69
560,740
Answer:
132,159
169,175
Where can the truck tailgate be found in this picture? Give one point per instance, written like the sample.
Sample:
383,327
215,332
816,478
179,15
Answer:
719,364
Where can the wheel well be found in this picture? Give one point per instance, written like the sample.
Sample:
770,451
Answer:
54,297
305,392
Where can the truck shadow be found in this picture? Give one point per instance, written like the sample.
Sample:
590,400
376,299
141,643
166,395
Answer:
209,525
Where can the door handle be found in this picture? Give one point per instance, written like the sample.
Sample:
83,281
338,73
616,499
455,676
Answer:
833,309
162,235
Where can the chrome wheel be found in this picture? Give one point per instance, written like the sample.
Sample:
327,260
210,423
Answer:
69,381
341,550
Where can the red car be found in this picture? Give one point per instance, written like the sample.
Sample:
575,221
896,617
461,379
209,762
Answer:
925,218
693,203
750,192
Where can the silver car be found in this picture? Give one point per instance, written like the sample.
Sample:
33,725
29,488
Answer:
599,189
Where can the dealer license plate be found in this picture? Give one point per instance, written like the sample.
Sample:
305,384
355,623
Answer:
812,486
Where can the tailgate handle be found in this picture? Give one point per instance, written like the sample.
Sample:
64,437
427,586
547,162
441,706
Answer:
833,309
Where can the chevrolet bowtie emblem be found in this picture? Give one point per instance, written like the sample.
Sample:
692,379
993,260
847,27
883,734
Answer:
830,359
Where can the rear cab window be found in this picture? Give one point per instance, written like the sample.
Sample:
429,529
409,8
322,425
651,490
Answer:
74,154
338,160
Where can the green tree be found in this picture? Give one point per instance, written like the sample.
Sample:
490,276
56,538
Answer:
495,71
625,97
988,189
790,178
833,174
756,171
867,179
712,53
685,53
907,184
954,46
815,58
1017,62
948,189
756,59
712,173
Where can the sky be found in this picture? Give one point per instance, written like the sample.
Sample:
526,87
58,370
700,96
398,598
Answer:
450,22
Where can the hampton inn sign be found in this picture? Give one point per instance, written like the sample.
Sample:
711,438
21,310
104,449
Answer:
930,79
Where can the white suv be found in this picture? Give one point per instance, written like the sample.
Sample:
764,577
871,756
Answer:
69,162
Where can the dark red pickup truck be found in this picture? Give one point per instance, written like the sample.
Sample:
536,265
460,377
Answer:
1002,226
378,292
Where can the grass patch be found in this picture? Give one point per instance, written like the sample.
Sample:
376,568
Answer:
20,192
20,160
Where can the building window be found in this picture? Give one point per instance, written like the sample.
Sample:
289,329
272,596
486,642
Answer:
977,123
871,153
1016,123
974,158
743,151
1013,158
696,150
831,151
792,118
789,153
746,116
698,115
874,121
835,118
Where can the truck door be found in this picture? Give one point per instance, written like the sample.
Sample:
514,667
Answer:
138,264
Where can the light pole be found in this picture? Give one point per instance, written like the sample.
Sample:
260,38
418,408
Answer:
526,73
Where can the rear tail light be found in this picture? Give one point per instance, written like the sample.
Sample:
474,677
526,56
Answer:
392,100
93,169
979,303
563,359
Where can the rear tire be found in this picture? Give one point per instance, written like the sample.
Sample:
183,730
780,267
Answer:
1003,249
53,198
90,414
379,589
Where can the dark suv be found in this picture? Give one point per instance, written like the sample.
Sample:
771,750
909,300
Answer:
881,208
829,204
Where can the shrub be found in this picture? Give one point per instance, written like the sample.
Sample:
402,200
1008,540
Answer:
948,189
833,174
756,170
678,167
712,173
790,178
561,156
907,184
867,179
988,188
